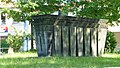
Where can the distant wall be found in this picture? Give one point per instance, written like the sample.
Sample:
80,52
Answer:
116,30
19,26
117,36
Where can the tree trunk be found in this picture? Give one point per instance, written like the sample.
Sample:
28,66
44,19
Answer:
10,50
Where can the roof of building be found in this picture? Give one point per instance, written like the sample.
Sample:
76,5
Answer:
66,21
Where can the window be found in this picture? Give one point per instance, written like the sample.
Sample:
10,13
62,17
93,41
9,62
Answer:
3,18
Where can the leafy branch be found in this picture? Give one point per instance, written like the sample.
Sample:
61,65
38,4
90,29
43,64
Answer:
100,9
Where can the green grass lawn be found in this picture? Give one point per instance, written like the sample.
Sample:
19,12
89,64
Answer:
30,60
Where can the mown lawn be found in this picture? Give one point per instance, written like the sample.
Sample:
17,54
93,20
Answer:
30,60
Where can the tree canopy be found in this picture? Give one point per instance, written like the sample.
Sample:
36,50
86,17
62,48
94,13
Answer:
100,9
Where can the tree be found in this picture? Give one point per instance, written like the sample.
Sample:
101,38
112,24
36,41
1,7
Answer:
15,41
7,1
34,7
105,9
100,9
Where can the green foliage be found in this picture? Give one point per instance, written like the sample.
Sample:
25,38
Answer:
100,9
15,41
7,1
4,44
105,9
27,8
110,43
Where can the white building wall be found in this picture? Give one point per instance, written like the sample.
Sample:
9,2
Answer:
116,29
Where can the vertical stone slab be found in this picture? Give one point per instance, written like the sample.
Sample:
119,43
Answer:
80,41
45,38
53,52
50,44
102,33
87,41
37,38
42,39
94,41
57,34
84,41
73,40
38,43
65,41
69,40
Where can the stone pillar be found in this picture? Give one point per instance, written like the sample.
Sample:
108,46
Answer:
102,32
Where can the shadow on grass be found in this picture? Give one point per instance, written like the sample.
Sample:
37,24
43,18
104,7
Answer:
58,62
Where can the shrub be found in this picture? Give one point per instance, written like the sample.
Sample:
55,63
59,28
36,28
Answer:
16,41
3,44
110,43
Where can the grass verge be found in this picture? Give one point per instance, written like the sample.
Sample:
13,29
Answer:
30,60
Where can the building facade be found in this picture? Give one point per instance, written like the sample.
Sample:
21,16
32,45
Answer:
116,30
